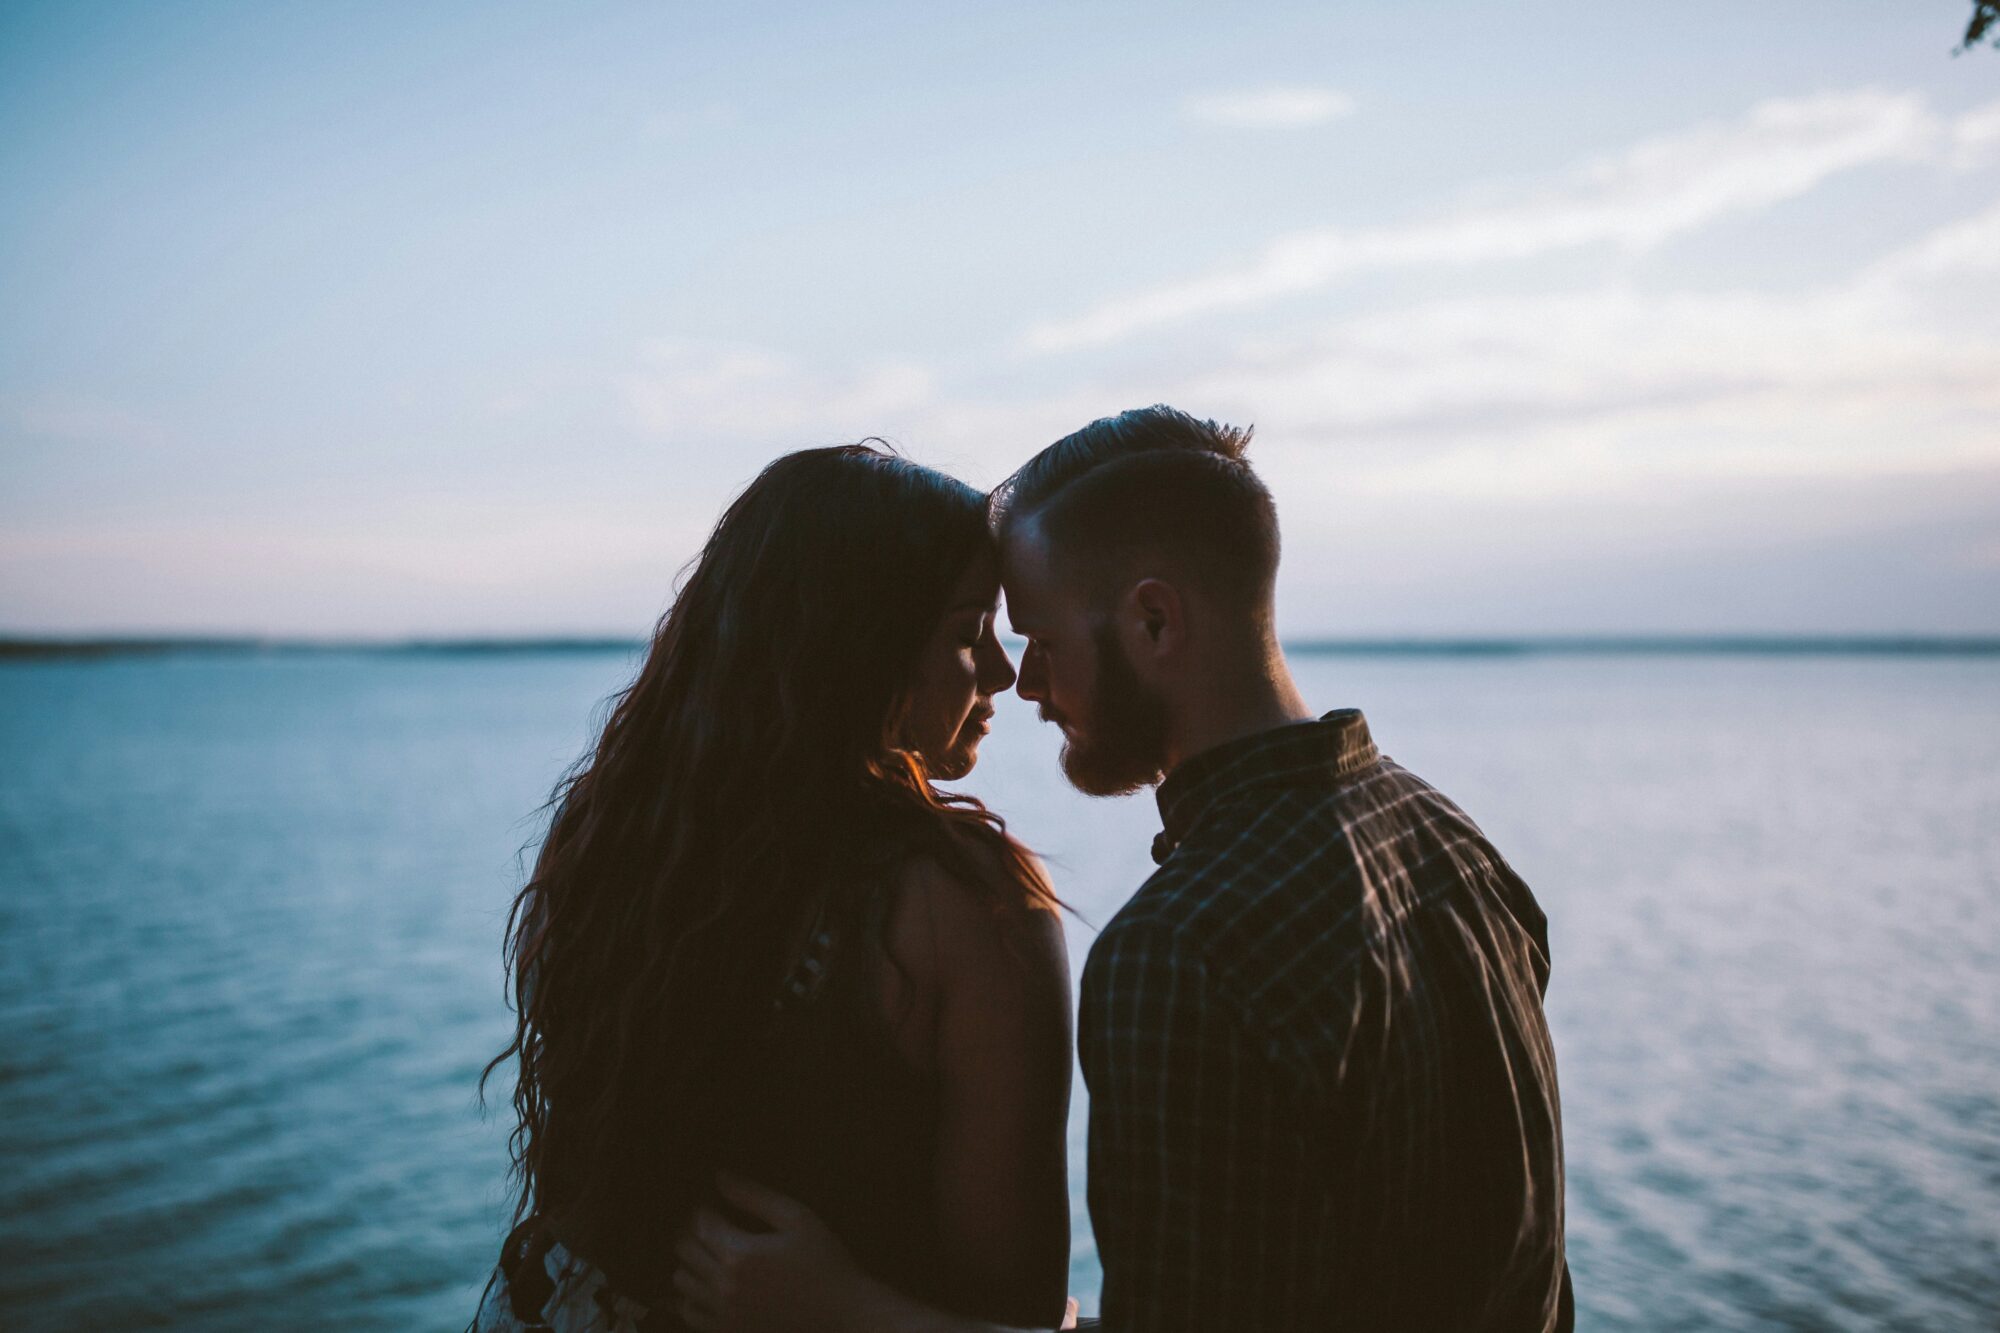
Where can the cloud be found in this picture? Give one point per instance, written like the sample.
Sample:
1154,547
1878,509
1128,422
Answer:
1654,190
1452,371
1960,250
1269,108
1489,402
1496,398
696,390
748,403
1627,433
1607,393
1975,137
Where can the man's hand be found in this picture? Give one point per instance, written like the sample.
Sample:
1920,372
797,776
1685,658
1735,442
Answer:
794,1275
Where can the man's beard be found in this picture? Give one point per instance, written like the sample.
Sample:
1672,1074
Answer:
1125,746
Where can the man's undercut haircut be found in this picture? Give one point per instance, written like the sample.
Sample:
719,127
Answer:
1154,479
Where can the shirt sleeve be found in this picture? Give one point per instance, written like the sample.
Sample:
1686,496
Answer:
1167,1076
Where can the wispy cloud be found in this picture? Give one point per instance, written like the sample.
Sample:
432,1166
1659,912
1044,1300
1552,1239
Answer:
1269,108
1494,398
1975,136
750,402
1582,415
1654,190
691,390
1602,390
1567,392
1958,250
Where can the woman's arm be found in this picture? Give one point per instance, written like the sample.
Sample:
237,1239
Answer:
996,984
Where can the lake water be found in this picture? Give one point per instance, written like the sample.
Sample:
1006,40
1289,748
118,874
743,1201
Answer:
250,914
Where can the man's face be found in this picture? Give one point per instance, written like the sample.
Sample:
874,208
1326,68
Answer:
1114,727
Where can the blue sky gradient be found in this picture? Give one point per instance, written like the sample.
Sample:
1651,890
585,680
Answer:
377,320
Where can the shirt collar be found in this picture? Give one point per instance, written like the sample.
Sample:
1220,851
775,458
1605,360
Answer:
1336,746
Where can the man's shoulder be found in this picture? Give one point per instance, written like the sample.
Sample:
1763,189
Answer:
1262,855
1274,896
1260,909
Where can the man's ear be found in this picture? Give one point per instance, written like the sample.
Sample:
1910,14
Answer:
1155,619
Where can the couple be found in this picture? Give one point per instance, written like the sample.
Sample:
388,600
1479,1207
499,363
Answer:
793,1043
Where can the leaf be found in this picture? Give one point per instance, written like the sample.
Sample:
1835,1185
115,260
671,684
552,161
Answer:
1984,14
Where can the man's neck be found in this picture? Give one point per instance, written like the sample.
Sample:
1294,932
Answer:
1216,716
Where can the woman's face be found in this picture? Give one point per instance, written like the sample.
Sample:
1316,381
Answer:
962,666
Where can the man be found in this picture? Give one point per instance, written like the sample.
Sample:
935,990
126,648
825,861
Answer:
1323,1094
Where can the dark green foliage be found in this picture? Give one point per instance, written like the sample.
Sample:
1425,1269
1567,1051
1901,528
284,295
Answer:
1985,15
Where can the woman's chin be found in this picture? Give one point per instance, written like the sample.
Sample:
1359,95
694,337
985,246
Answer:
960,760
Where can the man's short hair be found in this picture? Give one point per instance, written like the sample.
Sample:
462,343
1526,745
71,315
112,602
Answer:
1154,479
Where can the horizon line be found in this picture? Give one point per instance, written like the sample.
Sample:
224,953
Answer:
58,647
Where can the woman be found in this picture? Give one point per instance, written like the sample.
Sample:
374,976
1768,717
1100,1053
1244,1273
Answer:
759,939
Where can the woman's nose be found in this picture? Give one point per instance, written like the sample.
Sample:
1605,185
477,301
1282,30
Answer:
996,673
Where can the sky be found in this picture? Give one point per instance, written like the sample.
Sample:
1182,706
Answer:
383,320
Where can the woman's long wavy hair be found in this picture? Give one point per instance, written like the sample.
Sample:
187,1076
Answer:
749,771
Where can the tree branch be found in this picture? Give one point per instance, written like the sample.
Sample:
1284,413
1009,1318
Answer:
1985,14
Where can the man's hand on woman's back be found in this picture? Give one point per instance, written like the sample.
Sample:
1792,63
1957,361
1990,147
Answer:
794,1275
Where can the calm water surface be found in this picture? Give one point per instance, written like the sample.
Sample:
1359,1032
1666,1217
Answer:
250,915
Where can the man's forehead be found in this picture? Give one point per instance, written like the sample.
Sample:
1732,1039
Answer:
1025,568
1052,577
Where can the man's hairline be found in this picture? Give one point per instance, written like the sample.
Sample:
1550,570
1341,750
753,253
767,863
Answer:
1031,521
1031,524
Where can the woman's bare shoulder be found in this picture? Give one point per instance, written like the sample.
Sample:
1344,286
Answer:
957,928
966,954
1000,1047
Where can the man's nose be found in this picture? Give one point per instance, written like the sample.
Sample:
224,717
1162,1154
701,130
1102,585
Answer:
1031,684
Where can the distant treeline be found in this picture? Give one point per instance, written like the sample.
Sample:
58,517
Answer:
19,648
25,648
1656,644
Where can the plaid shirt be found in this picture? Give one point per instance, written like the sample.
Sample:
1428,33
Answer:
1322,1092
